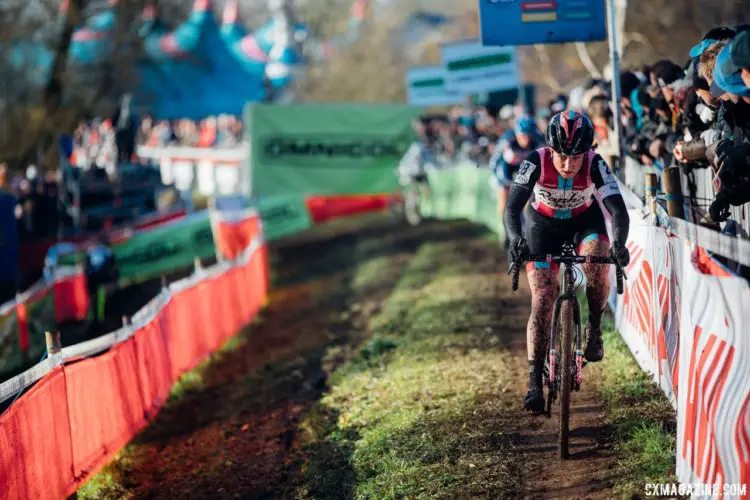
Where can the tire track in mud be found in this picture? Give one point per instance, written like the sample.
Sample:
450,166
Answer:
235,433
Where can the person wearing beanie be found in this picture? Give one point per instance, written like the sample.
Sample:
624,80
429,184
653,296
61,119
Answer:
739,57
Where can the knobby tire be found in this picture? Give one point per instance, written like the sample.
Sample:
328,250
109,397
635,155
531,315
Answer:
566,382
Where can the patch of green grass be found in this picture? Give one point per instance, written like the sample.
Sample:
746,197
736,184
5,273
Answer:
640,415
415,416
372,353
107,483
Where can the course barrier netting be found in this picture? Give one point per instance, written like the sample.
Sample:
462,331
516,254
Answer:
90,399
683,315
48,303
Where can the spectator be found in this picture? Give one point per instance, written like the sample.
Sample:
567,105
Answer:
126,129
208,133
730,154
145,131
601,117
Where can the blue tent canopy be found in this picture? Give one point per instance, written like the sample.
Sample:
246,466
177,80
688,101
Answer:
231,27
195,65
199,69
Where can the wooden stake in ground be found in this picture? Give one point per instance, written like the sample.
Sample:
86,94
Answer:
673,191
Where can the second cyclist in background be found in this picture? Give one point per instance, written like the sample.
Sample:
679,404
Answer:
512,148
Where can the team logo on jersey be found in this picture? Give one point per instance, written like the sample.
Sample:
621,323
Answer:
524,172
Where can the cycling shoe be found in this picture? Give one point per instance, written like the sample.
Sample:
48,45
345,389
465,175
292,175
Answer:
594,345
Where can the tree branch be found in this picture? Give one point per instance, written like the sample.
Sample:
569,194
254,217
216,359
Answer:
541,52
634,36
588,63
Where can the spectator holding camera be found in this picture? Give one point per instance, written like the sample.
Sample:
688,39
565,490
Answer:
730,155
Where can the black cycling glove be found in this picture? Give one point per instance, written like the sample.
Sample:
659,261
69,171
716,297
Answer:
519,250
622,255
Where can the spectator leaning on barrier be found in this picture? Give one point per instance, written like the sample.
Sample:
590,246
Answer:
669,79
731,154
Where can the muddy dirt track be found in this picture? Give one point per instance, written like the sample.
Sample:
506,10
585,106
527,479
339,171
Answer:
235,431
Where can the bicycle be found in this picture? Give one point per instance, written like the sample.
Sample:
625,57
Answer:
407,204
566,319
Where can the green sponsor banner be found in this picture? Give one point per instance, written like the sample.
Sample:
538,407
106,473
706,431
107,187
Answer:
283,215
40,313
10,347
166,248
463,192
313,149
472,68
40,316
425,86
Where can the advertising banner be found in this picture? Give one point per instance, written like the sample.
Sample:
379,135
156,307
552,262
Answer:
463,192
472,68
166,248
283,215
10,342
647,314
425,86
313,149
713,411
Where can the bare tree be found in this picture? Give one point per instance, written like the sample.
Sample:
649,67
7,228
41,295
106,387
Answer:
44,89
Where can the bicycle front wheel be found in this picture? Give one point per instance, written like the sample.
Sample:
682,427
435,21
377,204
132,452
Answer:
566,380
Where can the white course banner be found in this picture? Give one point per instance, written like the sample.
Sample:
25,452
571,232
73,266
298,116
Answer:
470,67
425,86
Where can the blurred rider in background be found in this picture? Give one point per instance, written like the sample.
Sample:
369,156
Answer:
512,148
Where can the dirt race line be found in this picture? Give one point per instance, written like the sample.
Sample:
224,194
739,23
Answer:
230,430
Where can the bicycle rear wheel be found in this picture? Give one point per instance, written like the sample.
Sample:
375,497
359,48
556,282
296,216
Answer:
566,380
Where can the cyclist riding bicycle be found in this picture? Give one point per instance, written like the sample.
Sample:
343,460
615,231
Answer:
512,148
563,181
420,156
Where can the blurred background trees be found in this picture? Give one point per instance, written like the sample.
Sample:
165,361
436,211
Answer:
36,106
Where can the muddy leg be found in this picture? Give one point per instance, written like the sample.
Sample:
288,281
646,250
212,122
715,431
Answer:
544,287
597,280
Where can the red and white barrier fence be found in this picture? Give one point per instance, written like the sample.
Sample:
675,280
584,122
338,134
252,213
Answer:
687,321
83,409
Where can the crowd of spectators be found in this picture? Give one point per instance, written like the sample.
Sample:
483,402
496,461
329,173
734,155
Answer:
223,131
105,143
465,133
35,201
694,115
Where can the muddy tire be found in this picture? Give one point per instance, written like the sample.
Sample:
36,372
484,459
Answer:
566,380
